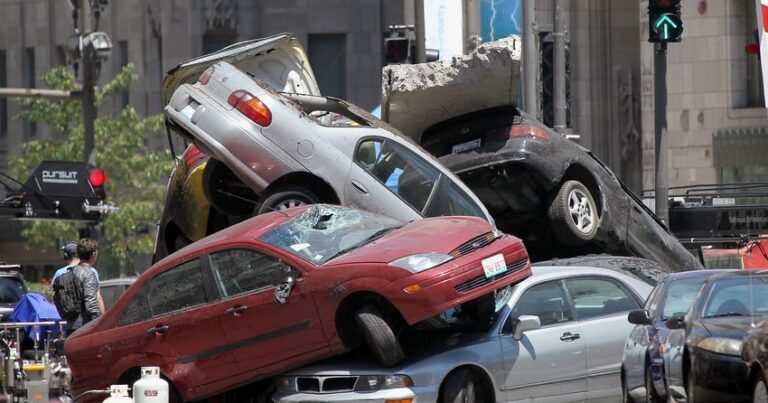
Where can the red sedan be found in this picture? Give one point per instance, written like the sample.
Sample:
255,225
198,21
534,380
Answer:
291,287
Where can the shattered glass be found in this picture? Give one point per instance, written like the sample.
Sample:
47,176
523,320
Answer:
324,232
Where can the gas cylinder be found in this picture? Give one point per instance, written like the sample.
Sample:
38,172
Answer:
150,388
118,394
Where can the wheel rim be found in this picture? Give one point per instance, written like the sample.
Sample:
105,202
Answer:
289,203
581,210
760,394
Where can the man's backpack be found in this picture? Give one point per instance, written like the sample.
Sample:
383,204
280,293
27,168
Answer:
68,294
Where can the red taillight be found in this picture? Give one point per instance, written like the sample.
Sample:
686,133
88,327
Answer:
206,76
191,155
97,178
528,131
251,107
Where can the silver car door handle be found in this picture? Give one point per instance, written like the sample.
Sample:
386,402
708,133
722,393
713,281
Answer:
568,336
359,187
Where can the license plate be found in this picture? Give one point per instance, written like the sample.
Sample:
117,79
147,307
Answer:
494,265
461,147
189,110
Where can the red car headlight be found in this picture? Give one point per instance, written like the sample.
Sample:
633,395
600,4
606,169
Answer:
420,262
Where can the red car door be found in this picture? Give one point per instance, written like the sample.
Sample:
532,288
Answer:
168,323
264,334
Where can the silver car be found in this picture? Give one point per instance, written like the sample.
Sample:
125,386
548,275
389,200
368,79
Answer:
558,336
274,142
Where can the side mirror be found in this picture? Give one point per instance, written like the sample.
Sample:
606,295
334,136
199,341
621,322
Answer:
284,288
638,317
525,323
676,322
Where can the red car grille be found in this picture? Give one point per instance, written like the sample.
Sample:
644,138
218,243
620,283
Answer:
473,245
482,280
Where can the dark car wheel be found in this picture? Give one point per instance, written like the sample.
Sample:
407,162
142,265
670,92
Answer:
379,336
625,397
690,385
759,391
573,214
459,387
225,191
650,391
286,197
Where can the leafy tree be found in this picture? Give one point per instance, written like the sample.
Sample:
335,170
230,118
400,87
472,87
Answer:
136,173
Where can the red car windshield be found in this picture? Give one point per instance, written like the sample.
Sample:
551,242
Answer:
324,232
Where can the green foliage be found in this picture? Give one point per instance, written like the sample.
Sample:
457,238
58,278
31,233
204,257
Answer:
136,173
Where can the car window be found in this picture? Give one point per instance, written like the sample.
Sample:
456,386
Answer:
401,171
239,271
593,297
172,290
652,303
11,290
548,301
452,200
110,294
737,296
679,297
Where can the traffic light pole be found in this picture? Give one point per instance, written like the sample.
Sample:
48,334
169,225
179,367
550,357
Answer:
660,131
89,99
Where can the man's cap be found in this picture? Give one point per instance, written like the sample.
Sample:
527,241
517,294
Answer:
70,250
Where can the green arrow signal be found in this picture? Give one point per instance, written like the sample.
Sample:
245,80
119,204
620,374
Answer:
671,26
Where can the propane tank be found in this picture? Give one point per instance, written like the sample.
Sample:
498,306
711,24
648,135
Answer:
150,388
118,394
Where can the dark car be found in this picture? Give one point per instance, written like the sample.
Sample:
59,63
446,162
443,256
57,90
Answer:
12,288
703,362
755,355
548,190
290,287
642,369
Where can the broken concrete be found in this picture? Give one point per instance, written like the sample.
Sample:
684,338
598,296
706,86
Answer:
416,96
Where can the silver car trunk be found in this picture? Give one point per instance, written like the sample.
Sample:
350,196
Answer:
279,60
416,96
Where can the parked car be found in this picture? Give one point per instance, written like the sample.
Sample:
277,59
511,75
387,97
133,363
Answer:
113,288
557,336
642,368
12,288
754,354
704,362
273,142
290,287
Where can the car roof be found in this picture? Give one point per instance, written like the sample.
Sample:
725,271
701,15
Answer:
553,272
738,273
695,274
117,281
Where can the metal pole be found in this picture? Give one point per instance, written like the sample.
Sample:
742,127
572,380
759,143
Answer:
421,47
660,131
530,59
37,93
89,108
559,67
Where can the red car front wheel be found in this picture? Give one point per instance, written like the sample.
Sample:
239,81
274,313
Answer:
379,336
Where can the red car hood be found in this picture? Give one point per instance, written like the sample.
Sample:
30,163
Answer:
441,235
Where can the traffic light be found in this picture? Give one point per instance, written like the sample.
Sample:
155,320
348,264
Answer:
398,50
664,21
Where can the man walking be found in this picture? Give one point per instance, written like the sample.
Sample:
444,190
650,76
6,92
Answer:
70,256
76,290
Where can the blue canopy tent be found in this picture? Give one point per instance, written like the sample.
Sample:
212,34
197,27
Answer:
34,307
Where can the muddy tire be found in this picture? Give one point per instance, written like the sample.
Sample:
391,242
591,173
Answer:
286,197
379,336
225,191
573,214
459,387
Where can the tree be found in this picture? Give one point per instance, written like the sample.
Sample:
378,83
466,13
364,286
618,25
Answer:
136,173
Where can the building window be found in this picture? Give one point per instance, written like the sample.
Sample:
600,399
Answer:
3,101
328,57
28,81
122,49
746,74
217,38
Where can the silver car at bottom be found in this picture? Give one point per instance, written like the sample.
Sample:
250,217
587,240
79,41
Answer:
558,336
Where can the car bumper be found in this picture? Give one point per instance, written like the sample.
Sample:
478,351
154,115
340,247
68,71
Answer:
719,377
463,281
400,395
